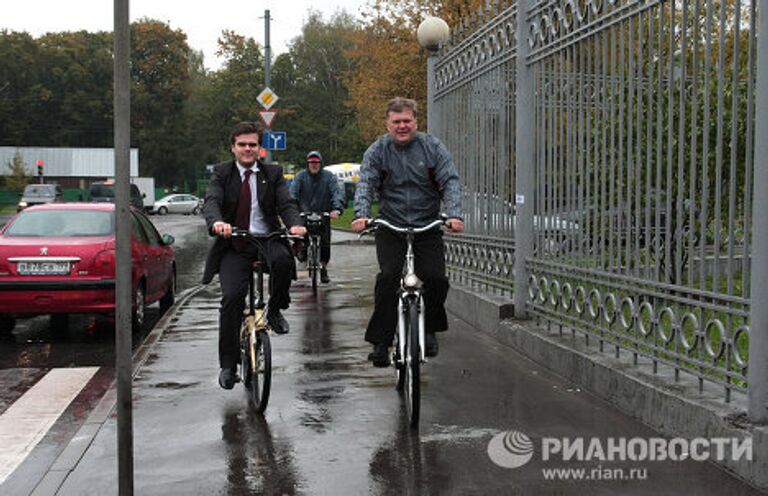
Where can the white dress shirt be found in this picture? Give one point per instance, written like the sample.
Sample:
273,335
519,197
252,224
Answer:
258,225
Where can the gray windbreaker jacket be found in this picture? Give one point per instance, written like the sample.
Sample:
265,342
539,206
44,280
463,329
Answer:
411,181
319,193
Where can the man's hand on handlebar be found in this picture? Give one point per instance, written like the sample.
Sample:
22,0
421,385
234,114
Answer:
454,225
298,230
222,229
359,225
334,214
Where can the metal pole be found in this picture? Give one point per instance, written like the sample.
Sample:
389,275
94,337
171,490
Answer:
757,374
267,63
524,162
432,126
122,142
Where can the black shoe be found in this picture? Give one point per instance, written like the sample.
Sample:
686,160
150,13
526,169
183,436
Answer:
228,378
277,322
431,348
380,355
324,276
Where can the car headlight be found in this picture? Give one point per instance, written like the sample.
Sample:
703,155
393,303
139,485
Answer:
22,204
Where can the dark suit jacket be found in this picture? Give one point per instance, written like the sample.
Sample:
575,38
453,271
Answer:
222,196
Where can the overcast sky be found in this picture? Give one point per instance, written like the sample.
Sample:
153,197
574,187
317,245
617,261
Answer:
201,20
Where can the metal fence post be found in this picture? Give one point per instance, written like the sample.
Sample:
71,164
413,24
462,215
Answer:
757,374
525,161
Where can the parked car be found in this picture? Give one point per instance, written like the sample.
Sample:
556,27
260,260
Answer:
59,259
37,194
178,204
101,192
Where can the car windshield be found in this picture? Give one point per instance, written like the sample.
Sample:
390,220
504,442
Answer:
61,223
38,191
102,190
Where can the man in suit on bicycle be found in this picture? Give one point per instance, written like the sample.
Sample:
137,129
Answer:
317,190
248,194
415,176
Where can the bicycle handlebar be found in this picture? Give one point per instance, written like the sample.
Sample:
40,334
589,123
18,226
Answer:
416,230
316,215
243,233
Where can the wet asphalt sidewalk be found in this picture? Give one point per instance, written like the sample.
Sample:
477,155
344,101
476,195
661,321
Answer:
335,424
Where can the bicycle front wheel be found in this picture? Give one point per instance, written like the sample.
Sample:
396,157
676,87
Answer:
412,364
313,265
257,371
399,365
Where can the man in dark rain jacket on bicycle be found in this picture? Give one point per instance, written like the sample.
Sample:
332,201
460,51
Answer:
317,190
415,176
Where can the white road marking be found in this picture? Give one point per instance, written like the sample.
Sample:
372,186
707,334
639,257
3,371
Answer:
25,422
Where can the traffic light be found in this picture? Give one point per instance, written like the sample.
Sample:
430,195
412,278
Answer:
40,168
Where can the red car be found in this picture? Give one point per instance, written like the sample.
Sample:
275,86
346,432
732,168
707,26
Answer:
59,259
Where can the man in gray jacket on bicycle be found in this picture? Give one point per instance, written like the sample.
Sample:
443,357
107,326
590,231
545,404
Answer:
415,176
317,190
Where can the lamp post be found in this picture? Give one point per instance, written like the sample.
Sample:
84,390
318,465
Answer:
432,33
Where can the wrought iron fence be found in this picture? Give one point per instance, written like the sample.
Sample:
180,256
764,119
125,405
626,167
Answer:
643,126
475,101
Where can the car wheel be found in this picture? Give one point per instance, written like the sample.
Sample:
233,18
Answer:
7,324
196,211
170,296
139,309
162,211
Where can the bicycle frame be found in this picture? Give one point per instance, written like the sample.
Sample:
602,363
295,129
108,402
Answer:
410,289
255,348
314,222
410,286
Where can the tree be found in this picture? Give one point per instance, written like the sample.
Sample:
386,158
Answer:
160,71
19,177
388,60
311,81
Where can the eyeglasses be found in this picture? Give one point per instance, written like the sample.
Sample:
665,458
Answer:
244,144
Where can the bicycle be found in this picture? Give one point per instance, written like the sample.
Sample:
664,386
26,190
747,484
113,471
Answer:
410,339
255,347
315,223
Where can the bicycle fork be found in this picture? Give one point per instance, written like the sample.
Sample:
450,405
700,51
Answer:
403,329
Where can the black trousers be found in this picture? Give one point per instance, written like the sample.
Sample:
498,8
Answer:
429,254
234,274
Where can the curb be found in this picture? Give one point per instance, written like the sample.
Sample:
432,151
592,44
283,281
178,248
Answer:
669,406
68,459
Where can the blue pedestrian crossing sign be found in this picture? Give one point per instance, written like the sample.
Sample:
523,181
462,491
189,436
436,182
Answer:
274,140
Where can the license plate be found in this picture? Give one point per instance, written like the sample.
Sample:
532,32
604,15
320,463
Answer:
42,268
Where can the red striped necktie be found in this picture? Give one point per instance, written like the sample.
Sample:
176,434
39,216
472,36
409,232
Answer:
243,214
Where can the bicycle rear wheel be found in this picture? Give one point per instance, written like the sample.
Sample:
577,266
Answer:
412,364
257,370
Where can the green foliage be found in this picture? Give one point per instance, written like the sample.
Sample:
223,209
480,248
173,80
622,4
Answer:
181,114
160,71
18,177
345,219
311,82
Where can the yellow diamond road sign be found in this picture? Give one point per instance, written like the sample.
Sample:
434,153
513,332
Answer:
267,98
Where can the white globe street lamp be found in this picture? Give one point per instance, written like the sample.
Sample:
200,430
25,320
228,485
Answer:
432,33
